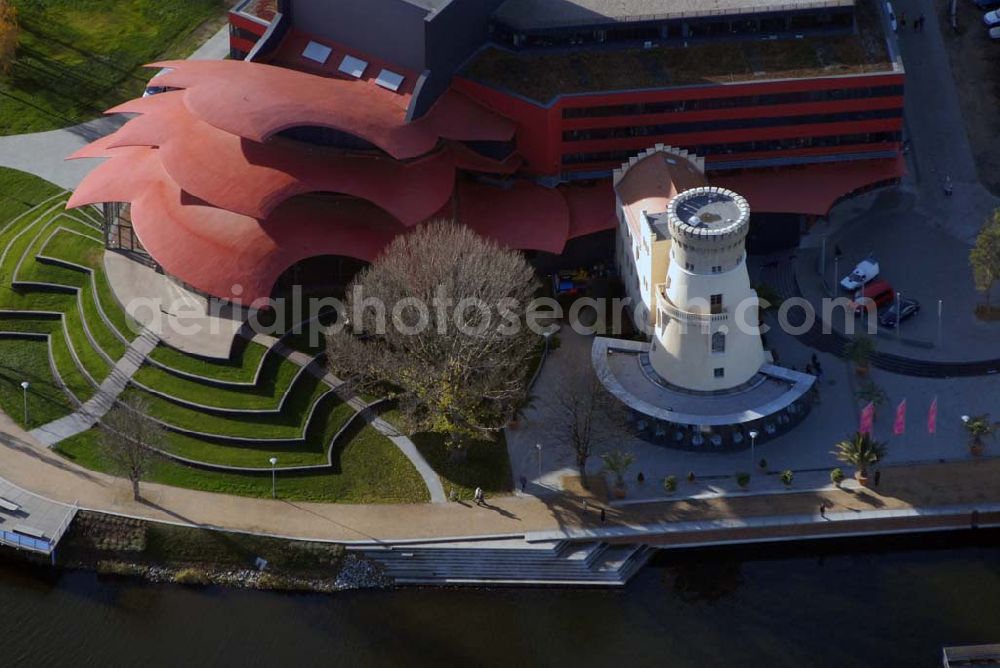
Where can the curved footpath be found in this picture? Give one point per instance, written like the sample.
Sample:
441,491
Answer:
906,492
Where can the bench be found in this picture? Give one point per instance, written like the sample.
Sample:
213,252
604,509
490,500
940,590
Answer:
9,505
29,531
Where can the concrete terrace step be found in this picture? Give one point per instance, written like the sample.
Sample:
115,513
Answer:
511,561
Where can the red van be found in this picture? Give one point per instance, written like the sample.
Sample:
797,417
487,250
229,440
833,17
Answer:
879,292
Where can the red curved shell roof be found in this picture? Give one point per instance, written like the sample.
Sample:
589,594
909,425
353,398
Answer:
217,204
255,101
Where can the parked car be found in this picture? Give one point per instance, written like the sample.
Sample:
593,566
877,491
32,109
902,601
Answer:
153,89
992,18
986,4
995,33
907,307
863,273
880,293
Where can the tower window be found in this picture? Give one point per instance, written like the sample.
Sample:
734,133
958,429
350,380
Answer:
720,372
689,266
717,269
718,342
716,303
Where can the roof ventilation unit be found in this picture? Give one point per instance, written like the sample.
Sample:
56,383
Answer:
353,67
317,52
389,80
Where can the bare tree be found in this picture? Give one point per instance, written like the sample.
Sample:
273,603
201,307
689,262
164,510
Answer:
10,35
440,319
129,437
586,413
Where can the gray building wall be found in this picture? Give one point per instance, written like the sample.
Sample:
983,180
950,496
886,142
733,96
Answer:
452,34
392,30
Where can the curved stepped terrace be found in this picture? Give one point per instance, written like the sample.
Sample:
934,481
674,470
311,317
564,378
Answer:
223,417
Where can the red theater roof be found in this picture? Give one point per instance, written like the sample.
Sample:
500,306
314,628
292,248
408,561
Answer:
251,178
808,189
256,101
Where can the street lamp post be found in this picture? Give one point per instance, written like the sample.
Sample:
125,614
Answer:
274,463
753,449
538,446
836,272
24,386
899,314
940,307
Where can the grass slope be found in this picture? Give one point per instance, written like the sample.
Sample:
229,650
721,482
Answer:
78,58
370,469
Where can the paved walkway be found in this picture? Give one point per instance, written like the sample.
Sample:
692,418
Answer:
98,406
30,464
44,153
400,440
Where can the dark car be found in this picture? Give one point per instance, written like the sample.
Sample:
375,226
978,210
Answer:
907,307
986,4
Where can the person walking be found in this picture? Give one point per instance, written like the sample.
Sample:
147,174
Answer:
822,510
478,496
878,476
604,515
902,19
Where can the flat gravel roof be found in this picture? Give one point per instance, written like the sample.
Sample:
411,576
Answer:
538,14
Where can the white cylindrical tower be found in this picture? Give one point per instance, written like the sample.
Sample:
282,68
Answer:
708,337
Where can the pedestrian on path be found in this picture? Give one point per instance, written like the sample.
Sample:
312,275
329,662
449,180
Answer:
604,515
478,496
920,22
822,510
878,476
586,506
902,19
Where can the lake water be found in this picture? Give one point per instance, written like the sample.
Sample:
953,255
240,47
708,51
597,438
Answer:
890,602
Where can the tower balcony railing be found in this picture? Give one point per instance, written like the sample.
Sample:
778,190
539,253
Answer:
664,304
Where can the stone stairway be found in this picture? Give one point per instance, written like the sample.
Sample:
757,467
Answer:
90,413
511,561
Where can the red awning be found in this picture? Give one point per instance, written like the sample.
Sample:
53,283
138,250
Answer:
808,189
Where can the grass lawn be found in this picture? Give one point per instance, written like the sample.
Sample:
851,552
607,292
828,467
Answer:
78,58
331,415
486,465
370,469
289,423
28,360
275,378
240,368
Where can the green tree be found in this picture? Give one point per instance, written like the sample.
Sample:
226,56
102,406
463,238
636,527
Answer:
618,462
860,451
985,257
859,351
979,427
10,35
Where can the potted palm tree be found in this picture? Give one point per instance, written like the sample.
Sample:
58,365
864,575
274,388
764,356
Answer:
743,479
860,451
837,476
618,463
979,427
871,393
786,477
670,484
859,351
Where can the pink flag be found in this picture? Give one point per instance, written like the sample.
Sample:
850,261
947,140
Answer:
899,426
932,418
867,418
